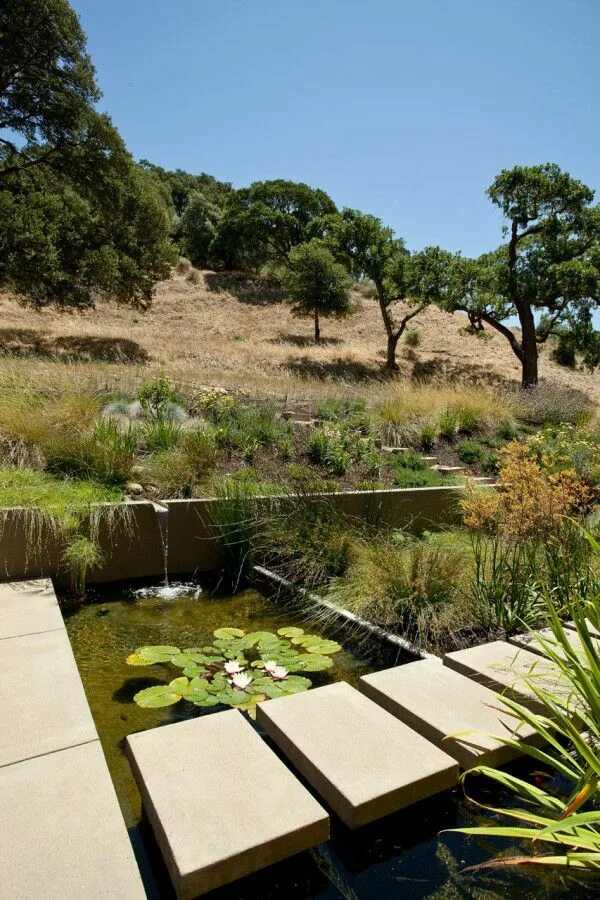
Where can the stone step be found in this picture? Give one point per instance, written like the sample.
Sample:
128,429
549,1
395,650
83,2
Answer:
43,703
431,461
360,759
529,642
29,607
448,470
591,628
61,830
505,668
220,802
396,450
439,702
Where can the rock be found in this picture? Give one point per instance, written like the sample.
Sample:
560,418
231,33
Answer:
132,487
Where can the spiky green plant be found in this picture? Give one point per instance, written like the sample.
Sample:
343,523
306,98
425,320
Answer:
563,826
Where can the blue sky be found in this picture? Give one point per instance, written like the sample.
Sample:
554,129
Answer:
403,109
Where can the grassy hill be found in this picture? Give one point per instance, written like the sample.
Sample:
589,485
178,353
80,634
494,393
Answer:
234,331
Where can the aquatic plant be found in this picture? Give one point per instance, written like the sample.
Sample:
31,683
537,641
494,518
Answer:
237,669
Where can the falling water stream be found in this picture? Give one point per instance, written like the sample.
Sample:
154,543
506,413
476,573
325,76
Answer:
167,590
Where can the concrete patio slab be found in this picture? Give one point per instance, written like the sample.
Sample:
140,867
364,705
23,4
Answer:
62,832
43,704
504,668
591,628
28,607
529,642
360,759
438,702
221,803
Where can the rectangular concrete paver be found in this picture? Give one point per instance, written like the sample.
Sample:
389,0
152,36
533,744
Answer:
27,607
359,758
504,668
438,703
221,803
591,628
61,830
529,642
43,703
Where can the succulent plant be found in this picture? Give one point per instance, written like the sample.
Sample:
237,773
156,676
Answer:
222,673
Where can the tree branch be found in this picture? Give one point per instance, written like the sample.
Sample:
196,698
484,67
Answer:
504,330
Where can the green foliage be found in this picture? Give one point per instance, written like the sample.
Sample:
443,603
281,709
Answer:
317,285
548,267
471,452
161,434
156,396
264,222
550,403
507,430
449,422
349,411
79,556
238,669
197,228
562,811
245,427
568,449
233,522
412,478
413,338
337,446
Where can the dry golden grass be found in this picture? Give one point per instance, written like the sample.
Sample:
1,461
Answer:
227,330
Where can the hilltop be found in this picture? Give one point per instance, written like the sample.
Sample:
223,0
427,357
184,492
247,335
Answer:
232,330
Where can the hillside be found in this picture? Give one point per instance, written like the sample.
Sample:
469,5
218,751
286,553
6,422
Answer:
226,329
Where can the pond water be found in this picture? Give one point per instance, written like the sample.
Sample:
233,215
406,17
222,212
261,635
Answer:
401,856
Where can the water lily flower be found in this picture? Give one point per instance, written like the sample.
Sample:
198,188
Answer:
240,680
278,673
270,664
232,666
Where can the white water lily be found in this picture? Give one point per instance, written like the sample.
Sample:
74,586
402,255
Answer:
240,680
278,673
232,666
270,664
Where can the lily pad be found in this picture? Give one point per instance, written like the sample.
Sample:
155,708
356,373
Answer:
209,700
294,684
290,632
196,691
152,654
157,696
194,671
314,663
255,637
324,648
224,633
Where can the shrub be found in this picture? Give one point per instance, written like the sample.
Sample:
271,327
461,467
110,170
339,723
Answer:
200,448
412,338
157,396
567,448
564,352
429,433
183,265
471,452
171,474
247,428
351,412
304,481
449,422
551,403
107,454
409,478
507,430
79,556
161,434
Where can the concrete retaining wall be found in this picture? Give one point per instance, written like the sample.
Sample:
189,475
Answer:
132,547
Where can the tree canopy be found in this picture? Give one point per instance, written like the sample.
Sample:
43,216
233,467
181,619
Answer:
317,285
78,218
548,272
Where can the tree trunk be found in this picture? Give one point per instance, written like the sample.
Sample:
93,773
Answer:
317,327
530,350
390,363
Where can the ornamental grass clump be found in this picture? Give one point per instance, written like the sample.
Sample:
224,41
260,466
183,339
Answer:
238,669
559,817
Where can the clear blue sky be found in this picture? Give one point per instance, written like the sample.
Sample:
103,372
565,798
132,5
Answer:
403,109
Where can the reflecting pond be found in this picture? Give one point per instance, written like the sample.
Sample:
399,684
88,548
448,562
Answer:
401,856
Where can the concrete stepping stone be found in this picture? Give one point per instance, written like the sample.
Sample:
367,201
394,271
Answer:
28,607
448,470
503,667
529,642
438,702
62,832
222,805
591,628
360,759
43,703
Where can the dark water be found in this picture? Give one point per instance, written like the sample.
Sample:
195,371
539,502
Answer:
401,856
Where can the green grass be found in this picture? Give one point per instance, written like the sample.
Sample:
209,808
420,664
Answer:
56,496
